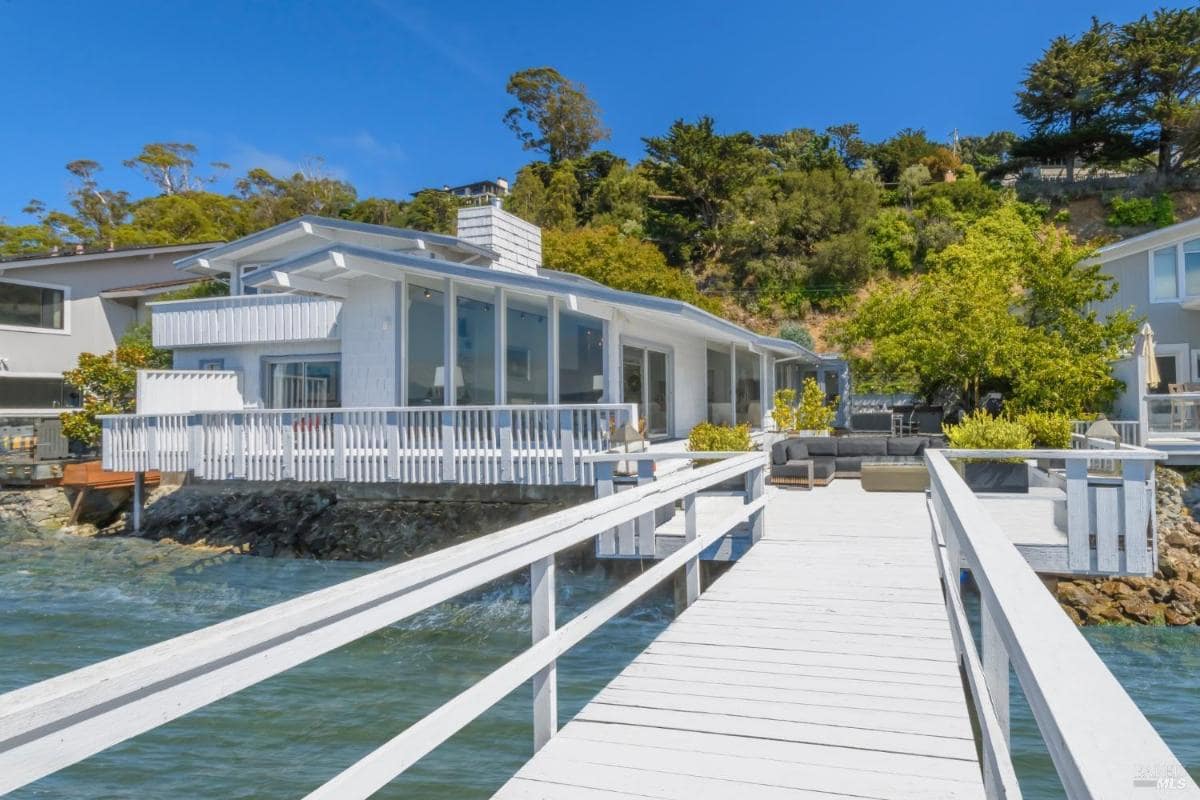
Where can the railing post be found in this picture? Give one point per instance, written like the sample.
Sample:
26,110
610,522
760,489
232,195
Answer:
106,443
392,421
196,445
1079,556
505,421
449,471
239,446
606,541
646,522
287,467
1137,499
545,681
566,442
339,445
152,459
691,571
995,667
754,490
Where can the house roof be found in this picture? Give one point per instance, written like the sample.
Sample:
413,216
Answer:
338,260
148,289
70,256
326,228
1147,241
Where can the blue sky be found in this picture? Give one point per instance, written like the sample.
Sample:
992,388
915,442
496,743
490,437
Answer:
398,95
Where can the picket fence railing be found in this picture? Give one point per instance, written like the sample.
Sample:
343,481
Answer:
418,444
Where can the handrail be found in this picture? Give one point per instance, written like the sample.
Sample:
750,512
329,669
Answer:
348,409
55,723
1100,742
1124,454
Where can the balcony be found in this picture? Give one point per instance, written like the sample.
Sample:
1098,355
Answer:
246,319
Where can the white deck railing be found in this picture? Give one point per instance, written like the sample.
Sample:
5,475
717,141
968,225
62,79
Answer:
1173,414
421,444
1128,430
58,722
245,319
1102,746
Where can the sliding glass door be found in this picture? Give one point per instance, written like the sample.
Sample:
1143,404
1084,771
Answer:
644,380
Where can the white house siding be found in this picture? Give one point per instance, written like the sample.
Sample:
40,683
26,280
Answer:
369,346
1171,322
247,360
691,382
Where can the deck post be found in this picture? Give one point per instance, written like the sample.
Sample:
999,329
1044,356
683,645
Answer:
545,681
754,490
606,541
646,522
287,433
1135,525
152,459
196,444
239,446
339,446
449,473
566,441
691,571
995,668
139,500
1079,555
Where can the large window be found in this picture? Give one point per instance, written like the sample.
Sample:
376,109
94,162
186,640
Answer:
476,359
526,362
580,358
749,381
720,404
1164,283
295,383
426,334
1191,267
31,306
37,393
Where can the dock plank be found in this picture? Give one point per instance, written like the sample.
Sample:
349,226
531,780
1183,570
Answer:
820,665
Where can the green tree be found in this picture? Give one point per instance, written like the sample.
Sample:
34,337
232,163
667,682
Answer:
893,241
987,154
607,256
431,210
892,156
270,200
169,165
912,178
98,211
553,115
700,173
796,332
108,384
183,217
1157,73
620,199
562,200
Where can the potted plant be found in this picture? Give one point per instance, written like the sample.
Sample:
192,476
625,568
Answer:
982,431
1050,430
716,438
812,417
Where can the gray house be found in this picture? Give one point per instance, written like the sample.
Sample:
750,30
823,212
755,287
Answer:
1159,278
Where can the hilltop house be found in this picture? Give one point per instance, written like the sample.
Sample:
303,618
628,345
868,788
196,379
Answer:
54,307
427,328
1159,278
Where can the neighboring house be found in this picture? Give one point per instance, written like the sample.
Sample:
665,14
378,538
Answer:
54,307
1159,279
355,316
479,193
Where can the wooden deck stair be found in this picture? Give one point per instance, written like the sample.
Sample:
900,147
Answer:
820,665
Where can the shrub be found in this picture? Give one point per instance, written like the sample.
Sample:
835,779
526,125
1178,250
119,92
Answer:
1136,211
982,431
784,412
812,414
707,437
795,332
1048,428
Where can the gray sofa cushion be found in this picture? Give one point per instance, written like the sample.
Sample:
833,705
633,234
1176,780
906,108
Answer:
848,464
779,452
820,445
858,446
906,445
797,450
822,469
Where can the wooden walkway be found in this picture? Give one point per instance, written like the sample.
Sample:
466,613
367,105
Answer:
821,665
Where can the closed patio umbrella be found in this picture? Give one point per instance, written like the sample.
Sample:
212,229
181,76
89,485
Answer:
1152,376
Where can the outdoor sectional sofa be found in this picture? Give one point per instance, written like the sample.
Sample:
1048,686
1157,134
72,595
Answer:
843,456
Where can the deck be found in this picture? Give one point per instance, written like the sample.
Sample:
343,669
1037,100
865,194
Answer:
820,665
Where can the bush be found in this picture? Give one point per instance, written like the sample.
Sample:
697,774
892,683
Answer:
707,437
795,332
1048,428
812,414
982,431
1136,211
784,412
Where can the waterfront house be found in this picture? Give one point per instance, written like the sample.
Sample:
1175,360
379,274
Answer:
331,314
1159,279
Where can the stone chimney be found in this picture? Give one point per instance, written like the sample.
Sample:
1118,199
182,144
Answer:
518,243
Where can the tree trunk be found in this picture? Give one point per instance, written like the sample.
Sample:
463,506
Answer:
1164,154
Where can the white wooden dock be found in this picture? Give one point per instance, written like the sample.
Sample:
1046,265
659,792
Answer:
820,665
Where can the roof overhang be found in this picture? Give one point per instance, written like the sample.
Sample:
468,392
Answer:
278,242
106,255
333,264
1146,241
147,289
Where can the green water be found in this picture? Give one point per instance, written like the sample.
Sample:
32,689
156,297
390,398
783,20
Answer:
67,602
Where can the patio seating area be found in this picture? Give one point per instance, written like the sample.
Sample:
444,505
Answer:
880,461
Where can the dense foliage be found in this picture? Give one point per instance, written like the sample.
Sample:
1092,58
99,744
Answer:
707,437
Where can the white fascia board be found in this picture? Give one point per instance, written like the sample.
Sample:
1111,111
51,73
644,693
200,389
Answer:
1146,241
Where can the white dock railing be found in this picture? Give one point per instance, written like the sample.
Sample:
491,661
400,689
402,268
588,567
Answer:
1109,506
418,444
1100,742
1128,430
53,724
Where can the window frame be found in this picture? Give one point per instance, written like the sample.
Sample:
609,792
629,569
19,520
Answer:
65,330
1181,293
265,375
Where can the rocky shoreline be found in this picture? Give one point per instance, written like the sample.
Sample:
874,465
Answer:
1172,596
